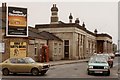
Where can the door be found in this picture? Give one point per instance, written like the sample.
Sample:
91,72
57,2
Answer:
66,49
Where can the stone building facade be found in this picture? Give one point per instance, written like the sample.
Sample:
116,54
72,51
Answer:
104,43
78,42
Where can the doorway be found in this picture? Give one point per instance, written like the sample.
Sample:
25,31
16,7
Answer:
66,49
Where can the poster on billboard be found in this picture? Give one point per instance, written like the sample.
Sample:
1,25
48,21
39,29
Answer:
18,49
17,22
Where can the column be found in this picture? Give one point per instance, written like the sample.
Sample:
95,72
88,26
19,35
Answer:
105,46
85,47
111,47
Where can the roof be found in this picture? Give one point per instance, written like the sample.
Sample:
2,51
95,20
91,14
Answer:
104,35
33,33
62,25
49,36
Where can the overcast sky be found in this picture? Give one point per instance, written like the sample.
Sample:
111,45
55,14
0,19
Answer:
102,16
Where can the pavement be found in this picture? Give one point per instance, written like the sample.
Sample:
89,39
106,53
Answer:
62,62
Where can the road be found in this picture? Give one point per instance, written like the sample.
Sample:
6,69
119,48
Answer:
76,70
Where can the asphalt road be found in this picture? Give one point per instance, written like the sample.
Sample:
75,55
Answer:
76,70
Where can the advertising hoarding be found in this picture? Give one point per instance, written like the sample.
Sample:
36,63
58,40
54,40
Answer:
18,49
17,22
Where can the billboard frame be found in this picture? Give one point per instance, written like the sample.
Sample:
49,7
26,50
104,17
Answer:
7,24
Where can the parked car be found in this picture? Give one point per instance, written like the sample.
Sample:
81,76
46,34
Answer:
98,65
23,65
117,54
112,55
109,60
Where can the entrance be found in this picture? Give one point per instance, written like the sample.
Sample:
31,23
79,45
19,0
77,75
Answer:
66,49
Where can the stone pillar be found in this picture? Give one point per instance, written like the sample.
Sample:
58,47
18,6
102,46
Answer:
72,55
111,51
79,46
80,54
82,46
105,46
85,47
109,47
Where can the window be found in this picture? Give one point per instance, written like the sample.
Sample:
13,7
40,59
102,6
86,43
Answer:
55,44
67,42
59,50
21,61
13,60
66,48
55,49
60,44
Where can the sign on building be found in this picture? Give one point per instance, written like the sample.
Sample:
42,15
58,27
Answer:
17,22
18,49
2,47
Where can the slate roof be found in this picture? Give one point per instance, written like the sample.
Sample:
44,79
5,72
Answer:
49,36
104,35
62,25
34,33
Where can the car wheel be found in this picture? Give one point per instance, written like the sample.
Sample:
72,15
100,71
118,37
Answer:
111,65
42,73
35,72
108,73
88,72
5,72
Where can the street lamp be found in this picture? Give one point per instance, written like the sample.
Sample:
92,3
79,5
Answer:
118,46
118,58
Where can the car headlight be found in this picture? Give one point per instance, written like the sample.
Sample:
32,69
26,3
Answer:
90,66
105,67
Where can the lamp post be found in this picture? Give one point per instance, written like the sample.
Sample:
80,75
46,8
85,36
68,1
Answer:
118,60
118,46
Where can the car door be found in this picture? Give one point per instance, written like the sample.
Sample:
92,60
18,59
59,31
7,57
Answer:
22,66
12,65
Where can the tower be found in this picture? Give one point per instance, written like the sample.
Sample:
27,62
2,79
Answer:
70,18
83,24
54,14
77,21
95,31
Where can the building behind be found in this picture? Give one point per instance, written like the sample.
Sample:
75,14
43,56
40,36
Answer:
78,42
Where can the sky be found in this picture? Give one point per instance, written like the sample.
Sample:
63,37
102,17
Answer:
102,15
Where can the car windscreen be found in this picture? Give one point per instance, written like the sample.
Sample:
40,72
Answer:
29,60
103,56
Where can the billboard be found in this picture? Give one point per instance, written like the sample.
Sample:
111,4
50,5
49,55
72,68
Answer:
17,22
18,49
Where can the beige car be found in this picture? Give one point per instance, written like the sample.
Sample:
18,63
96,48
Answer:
23,65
